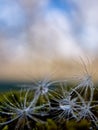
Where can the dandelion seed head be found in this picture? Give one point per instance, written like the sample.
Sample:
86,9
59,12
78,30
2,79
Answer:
67,108
86,107
43,90
23,111
87,80
20,109
64,106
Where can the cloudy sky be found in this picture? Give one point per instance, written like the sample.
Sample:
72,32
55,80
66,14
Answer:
30,28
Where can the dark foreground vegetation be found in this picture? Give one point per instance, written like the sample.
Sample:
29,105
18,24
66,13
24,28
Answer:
56,105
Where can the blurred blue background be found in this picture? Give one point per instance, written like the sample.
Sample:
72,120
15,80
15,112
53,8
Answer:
38,36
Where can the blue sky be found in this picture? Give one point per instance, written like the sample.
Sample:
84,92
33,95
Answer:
12,17
80,20
60,5
44,30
